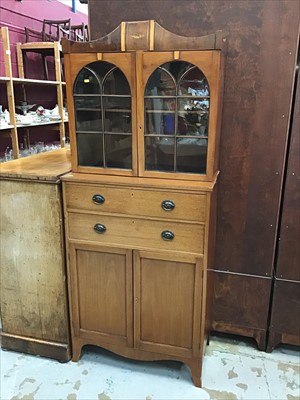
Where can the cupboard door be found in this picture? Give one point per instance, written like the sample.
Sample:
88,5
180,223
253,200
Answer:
102,108
178,114
101,294
167,303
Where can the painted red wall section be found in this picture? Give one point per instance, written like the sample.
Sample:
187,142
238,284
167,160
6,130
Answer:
30,13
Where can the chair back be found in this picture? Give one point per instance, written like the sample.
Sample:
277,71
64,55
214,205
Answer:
79,33
54,30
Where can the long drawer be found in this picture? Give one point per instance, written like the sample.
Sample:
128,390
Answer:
136,232
151,203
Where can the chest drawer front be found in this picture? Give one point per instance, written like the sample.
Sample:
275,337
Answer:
150,203
137,232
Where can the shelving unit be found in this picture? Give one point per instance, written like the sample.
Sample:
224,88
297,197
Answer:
11,82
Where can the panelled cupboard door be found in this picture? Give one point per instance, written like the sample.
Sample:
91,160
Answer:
101,294
179,97
167,303
101,94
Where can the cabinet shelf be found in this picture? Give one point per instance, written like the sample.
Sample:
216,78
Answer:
37,82
40,124
24,81
101,95
182,96
173,112
104,132
11,82
5,128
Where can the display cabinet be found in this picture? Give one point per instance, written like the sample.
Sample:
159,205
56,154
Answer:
140,201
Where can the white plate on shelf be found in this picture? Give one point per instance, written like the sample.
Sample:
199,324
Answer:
24,123
54,117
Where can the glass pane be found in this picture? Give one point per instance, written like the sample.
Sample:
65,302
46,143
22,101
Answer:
193,117
90,149
87,102
160,116
194,83
160,83
159,153
191,155
116,83
118,151
177,68
101,68
117,114
88,121
86,83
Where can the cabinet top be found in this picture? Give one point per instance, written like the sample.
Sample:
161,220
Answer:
146,36
40,167
137,182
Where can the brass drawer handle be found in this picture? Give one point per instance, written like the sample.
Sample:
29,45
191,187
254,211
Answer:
98,199
168,205
167,235
99,228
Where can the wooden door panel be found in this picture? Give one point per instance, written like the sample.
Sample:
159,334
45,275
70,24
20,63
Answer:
167,303
102,289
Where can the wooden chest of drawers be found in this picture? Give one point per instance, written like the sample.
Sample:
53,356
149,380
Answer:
138,254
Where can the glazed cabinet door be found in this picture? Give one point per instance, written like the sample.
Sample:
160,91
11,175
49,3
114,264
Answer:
179,113
167,303
102,112
101,294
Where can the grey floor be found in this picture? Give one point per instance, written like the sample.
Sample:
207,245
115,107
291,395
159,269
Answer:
233,369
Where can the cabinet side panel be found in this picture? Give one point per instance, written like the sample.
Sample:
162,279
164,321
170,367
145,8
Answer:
285,326
287,266
33,293
246,313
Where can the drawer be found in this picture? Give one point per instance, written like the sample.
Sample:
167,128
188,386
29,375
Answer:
150,203
137,232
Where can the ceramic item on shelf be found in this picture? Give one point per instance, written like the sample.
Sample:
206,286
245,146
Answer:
24,107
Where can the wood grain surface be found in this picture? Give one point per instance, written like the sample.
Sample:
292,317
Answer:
47,166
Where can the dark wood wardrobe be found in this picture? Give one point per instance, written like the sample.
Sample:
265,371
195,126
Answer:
253,276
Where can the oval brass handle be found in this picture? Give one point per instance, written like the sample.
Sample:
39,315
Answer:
167,235
98,199
168,205
99,228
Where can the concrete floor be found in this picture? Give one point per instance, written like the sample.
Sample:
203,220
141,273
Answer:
233,369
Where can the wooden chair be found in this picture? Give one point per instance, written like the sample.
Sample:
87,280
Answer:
79,33
52,31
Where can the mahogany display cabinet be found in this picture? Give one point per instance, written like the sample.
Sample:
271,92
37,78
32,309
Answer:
144,113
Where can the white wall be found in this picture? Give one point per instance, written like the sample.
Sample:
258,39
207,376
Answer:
79,7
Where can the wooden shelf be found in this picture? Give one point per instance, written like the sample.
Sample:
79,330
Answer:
23,81
40,124
6,127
